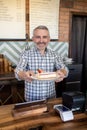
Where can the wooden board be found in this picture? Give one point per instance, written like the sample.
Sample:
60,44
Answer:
29,108
29,112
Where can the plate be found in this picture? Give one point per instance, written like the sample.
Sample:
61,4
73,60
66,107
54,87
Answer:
36,77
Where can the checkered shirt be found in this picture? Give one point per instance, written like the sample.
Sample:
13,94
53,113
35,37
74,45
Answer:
33,60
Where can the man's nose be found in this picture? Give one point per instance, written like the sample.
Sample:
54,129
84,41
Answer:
41,39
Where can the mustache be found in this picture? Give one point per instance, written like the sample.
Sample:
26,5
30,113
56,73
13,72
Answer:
41,43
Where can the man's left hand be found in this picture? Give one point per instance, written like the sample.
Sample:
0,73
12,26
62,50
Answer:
60,76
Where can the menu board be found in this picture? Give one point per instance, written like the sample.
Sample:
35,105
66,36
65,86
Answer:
45,12
12,19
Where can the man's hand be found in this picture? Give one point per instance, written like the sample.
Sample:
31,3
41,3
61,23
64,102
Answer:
60,75
26,75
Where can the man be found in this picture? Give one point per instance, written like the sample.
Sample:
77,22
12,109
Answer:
40,57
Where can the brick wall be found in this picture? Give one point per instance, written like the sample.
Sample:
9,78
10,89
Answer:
66,8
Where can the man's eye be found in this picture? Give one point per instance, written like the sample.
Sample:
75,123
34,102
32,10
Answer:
37,37
45,37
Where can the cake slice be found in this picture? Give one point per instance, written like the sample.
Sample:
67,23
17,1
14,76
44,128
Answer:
47,75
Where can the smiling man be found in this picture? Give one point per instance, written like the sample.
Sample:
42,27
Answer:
40,57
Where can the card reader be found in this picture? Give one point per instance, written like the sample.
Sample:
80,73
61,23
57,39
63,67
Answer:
65,113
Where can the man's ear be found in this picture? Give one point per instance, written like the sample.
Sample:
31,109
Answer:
32,38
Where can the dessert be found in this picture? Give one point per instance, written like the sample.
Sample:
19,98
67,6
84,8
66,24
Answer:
43,75
39,70
47,75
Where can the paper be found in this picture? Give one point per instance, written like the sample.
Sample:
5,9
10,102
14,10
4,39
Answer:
44,12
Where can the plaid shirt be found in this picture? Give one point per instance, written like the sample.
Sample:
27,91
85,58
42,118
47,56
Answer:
33,60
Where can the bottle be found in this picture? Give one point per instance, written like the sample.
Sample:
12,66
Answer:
1,63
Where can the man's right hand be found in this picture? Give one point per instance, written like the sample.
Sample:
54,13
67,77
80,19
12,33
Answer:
26,75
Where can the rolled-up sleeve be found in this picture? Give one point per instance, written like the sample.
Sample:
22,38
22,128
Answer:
21,66
59,64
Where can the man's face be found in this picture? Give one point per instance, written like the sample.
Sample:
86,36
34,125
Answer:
41,38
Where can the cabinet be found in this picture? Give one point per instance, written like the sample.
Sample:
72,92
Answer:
72,82
11,90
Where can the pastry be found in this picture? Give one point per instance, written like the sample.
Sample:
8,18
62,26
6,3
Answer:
47,75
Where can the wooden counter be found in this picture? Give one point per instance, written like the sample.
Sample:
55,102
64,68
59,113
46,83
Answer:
48,121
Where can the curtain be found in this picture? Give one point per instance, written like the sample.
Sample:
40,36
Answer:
78,45
84,79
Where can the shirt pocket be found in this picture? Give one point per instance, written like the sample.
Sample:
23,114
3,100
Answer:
50,64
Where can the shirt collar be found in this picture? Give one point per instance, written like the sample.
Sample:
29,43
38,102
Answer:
36,49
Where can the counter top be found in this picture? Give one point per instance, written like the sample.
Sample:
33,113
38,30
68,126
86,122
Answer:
49,120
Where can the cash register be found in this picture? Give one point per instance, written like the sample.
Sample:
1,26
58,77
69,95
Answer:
74,100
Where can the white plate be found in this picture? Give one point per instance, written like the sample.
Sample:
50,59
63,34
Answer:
37,78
